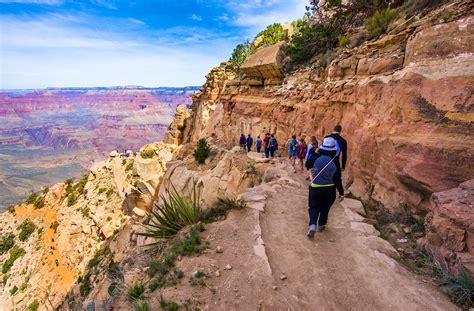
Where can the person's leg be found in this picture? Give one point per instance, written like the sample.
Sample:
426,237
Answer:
328,196
313,212
338,181
272,152
266,152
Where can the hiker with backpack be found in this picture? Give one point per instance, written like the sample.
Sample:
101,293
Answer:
340,166
266,141
258,144
301,152
293,146
312,146
243,141
272,145
322,189
249,143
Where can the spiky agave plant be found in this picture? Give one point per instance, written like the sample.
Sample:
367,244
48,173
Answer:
175,212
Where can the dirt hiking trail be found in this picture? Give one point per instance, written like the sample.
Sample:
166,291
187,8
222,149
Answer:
62,274
345,267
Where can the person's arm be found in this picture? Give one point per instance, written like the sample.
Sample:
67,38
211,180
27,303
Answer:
344,154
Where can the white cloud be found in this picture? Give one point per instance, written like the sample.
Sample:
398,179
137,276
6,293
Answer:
136,21
223,18
60,51
196,17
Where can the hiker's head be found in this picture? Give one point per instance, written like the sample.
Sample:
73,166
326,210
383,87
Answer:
329,144
258,136
249,135
294,136
271,135
338,128
314,141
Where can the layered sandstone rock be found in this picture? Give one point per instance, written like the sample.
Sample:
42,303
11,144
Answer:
450,227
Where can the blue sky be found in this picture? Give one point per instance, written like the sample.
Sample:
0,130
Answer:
58,43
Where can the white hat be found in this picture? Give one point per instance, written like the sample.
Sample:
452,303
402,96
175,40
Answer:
329,144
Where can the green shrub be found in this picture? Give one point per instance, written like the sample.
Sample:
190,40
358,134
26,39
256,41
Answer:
274,33
141,306
378,23
31,198
45,190
312,39
240,54
85,287
148,153
163,266
220,208
129,167
157,282
109,193
191,244
71,199
26,228
13,290
202,151
6,242
176,212
15,253
24,286
33,306
343,40
461,287
168,305
55,225
39,203
113,289
198,279
79,187
136,291
11,209
5,279
101,190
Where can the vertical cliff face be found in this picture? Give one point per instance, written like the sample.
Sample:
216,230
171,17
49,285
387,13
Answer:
404,102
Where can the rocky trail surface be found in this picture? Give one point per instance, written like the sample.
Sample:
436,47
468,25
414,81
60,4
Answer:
346,267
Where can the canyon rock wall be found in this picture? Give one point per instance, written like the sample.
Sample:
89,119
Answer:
404,102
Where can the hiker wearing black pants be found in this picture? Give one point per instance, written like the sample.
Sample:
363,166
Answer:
342,143
322,190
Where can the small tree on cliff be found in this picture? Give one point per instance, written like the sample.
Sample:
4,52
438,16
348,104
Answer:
240,54
202,151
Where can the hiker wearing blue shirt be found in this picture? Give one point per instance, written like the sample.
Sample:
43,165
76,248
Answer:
249,143
258,144
312,145
293,147
322,190
272,145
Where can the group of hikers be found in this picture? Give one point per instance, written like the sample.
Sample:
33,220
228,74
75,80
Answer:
269,144
325,163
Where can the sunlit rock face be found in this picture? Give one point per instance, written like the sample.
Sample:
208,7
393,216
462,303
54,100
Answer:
49,135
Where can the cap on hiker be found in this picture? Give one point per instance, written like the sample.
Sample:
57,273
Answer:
329,144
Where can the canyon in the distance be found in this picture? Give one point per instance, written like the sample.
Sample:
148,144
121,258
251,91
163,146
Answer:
49,135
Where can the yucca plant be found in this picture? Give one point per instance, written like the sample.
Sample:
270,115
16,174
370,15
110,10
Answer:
176,212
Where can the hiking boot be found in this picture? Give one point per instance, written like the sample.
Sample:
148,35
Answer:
311,231
321,228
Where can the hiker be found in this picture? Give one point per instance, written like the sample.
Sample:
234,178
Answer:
312,155
293,146
312,146
342,144
258,144
301,152
249,143
266,140
322,190
242,141
272,145
56,262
